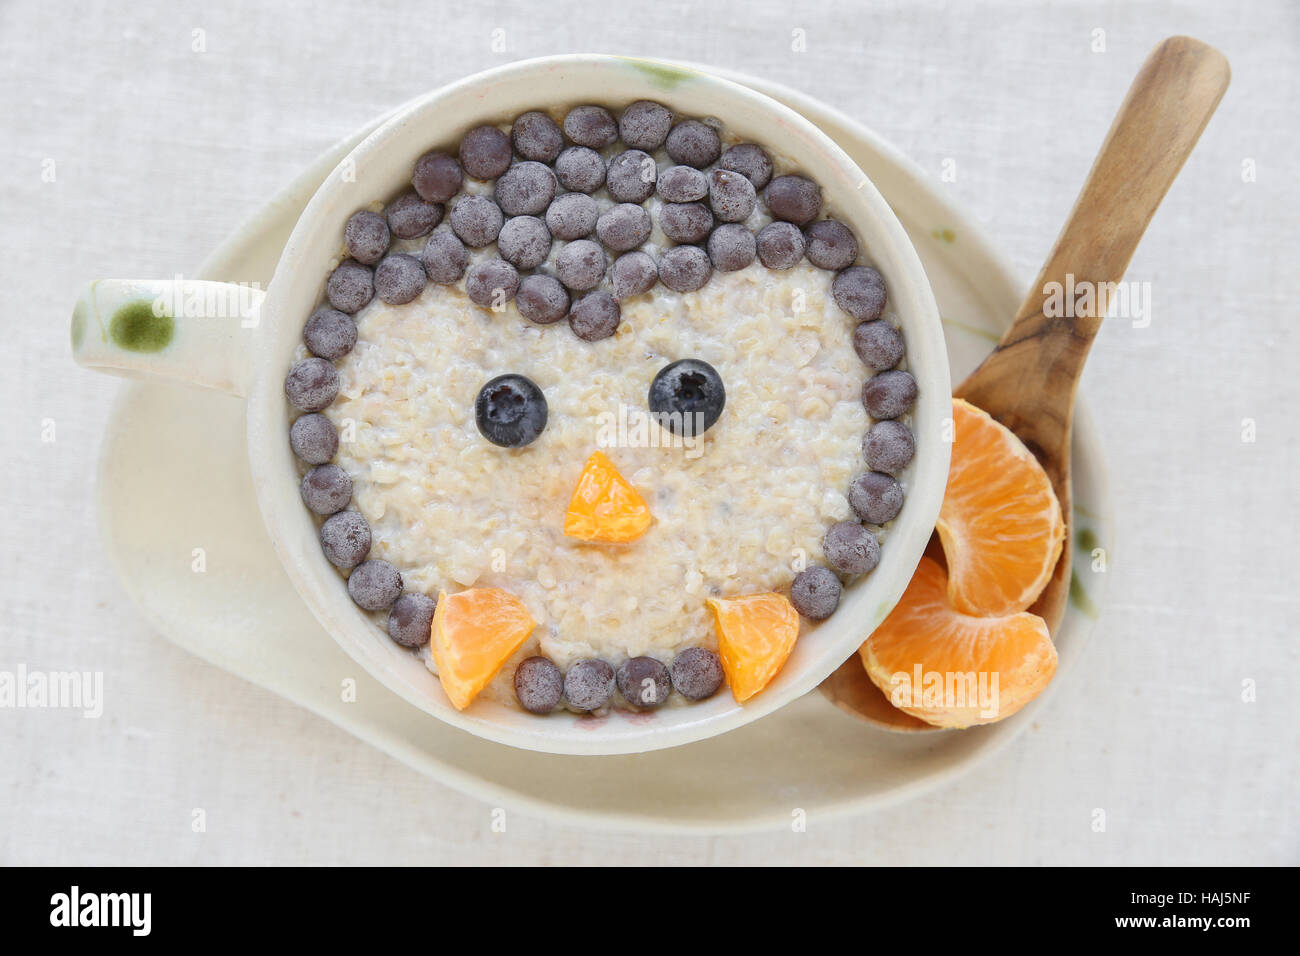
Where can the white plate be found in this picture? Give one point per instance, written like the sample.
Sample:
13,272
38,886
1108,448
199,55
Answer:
166,487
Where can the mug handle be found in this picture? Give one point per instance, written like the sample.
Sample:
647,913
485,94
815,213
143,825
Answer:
184,331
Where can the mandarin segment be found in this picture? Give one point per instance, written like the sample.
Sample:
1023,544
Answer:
605,506
756,634
474,633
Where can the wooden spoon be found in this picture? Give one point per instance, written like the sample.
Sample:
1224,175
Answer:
1029,381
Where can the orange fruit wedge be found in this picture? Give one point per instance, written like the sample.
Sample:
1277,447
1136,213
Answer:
1000,523
951,669
755,636
474,633
605,506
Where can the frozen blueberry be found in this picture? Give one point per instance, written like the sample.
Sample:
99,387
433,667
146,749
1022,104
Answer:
345,539
630,176
329,334
731,247
780,245
815,593
595,316
411,619
888,446
444,257
693,143
589,684
537,137
851,548
374,585
687,397
399,279
477,220
491,283
572,216
485,152
731,196
624,226
645,124
697,673
643,682
311,384
524,241
751,161
539,685
437,177
580,265
685,221
350,286
542,299
510,411
366,236
685,268
830,245
889,394
580,169
633,273
526,189
326,489
793,199
591,126
878,344
410,217
860,291
313,438
876,497
683,184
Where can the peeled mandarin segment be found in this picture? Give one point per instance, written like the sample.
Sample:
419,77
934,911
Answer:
755,636
990,667
474,633
1000,523
605,506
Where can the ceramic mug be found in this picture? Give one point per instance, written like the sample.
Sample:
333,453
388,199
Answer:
242,341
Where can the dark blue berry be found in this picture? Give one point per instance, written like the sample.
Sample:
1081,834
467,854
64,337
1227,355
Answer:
687,397
510,411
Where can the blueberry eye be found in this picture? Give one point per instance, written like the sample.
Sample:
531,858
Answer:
510,411
687,397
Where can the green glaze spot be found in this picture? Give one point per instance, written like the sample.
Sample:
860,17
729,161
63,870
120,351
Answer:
1079,597
1087,540
79,325
136,328
661,74
944,234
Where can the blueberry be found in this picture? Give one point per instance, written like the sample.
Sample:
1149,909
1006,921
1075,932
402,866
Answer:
683,184
595,316
645,124
589,684
643,682
444,257
491,283
350,286
624,226
410,217
889,394
633,273
888,446
314,439
693,143
524,242
780,245
731,196
510,411
630,176
399,279
437,177
793,199
580,169
526,189
685,221
329,333
878,344
580,265
731,247
876,497
366,236
539,685
751,161
830,245
326,489
572,216
311,384
485,152
860,291
851,548
591,126
476,220
542,299
374,585
685,268
345,539
687,397
536,136
697,673
411,619
815,593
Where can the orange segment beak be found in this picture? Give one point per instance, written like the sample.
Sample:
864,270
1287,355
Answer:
605,506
